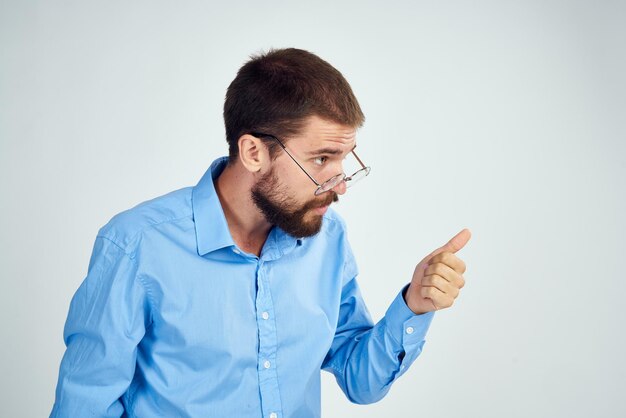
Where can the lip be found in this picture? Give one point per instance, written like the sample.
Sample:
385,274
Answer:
322,210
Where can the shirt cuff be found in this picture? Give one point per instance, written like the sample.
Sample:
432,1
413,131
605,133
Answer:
406,327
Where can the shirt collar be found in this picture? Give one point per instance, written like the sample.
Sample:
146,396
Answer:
212,231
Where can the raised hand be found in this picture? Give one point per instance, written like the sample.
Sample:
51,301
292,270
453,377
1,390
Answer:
438,278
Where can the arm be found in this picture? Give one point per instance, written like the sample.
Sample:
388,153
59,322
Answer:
365,358
106,321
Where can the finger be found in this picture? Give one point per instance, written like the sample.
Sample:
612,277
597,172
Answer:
431,292
439,299
455,244
460,283
450,260
447,273
443,285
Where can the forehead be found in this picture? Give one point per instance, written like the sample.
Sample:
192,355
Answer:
318,132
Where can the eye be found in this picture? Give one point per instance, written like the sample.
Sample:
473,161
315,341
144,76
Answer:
320,161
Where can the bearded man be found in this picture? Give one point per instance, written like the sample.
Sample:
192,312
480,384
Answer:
227,299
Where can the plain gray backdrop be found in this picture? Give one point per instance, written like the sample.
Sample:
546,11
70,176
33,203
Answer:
505,117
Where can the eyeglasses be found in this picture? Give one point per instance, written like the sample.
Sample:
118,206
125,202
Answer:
331,182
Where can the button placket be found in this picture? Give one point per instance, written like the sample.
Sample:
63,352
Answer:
266,326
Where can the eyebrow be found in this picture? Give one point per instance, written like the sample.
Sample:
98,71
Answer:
330,151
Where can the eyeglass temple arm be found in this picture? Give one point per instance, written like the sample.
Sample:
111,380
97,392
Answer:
288,153
357,157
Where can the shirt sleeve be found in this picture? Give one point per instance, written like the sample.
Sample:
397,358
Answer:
366,358
107,319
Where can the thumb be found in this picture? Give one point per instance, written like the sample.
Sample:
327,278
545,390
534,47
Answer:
455,244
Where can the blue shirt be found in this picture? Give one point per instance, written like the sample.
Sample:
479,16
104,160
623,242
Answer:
174,320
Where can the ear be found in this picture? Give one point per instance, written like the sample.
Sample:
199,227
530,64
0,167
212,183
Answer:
253,153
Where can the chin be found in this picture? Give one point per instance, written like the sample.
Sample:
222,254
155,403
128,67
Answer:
313,227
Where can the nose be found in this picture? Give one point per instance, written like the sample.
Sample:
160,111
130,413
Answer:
340,188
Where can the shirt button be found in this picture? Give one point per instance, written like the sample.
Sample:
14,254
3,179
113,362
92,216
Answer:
236,251
265,315
409,330
267,364
273,415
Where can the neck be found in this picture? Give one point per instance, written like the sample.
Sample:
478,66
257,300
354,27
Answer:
246,223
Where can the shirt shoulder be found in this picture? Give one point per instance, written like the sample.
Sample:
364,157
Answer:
334,224
336,232
126,227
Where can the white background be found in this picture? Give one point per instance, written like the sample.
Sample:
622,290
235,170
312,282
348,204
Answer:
506,117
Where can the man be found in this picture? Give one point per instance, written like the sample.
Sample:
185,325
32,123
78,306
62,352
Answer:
226,299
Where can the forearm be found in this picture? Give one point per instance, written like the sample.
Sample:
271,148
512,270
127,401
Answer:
367,360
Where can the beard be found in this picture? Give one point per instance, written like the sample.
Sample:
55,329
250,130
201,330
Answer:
279,209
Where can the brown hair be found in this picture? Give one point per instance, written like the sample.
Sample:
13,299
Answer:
277,91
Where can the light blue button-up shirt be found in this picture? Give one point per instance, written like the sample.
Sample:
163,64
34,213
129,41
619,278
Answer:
174,320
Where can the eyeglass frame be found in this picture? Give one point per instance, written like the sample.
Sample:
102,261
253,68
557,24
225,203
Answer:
344,178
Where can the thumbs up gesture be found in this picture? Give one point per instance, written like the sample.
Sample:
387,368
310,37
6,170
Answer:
438,278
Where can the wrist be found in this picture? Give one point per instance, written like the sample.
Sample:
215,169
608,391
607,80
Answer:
406,295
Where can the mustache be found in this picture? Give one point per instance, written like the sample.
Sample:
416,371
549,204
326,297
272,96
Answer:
328,199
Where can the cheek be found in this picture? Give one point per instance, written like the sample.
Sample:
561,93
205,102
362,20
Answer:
294,182
299,186
303,193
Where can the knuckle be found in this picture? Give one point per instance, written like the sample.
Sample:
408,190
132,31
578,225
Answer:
461,282
440,269
436,280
